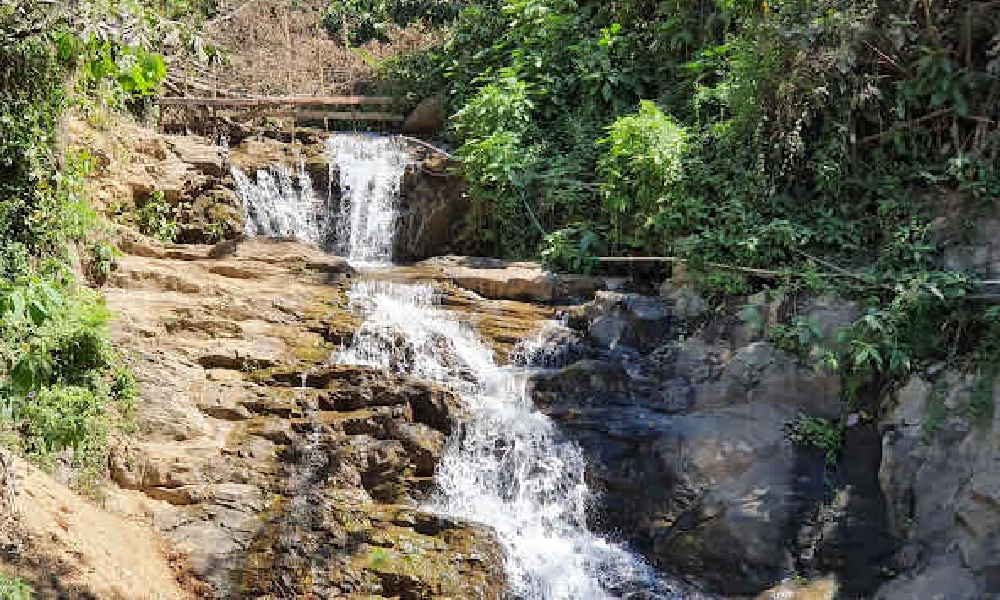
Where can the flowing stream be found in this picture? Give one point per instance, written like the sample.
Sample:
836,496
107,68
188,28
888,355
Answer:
507,465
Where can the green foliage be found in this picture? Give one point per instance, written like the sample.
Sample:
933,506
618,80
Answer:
981,404
937,410
922,320
158,218
801,336
413,76
817,433
60,382
196,10
360,21
641,164
572,248
12,588
120,75
60,417
743,133
104,260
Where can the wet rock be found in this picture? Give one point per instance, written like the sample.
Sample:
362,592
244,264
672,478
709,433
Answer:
686,439
641,322
431,212
258,482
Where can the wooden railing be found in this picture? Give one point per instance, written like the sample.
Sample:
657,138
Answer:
190,109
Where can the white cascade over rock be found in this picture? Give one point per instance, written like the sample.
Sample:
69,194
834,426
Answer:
371,170
281,204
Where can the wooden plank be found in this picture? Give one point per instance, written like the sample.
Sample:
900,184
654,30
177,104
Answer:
278,101
357,115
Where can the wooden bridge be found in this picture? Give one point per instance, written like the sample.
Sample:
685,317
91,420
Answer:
188,110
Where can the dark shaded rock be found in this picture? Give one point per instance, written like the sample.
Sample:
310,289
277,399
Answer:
642,322
427,118
687,445
431,212
940,479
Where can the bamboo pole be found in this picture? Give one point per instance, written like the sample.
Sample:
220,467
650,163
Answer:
318,115
263,101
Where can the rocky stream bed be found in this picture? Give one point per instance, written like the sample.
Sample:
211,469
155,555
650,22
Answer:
264,469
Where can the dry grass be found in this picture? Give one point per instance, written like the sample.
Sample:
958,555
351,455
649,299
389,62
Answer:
278,47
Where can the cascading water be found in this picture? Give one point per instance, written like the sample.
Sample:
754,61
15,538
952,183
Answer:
507,466
281,203
371,169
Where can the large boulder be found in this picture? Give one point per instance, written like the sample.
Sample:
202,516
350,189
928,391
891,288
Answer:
710,493
427,118
633,320
508,280
687,437
940,451
431,210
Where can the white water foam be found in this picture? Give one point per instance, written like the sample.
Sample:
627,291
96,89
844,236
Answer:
371,170
507,466
281,203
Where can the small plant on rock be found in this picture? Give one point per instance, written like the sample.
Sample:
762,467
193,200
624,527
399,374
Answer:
158,218
817,433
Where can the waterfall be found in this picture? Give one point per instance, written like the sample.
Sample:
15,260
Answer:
281,203
507,466
371,169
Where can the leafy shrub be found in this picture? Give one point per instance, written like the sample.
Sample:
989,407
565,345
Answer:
572,248
641,163
12,588
360,21
799,337
103,260
158,218
60,381
60,417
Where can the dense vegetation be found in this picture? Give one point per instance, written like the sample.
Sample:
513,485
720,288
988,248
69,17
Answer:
815,138
818,139
61,384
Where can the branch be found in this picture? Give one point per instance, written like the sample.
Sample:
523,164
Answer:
895,128
842,271
428,146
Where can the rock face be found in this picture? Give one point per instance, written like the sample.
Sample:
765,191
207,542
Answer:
270,474
507,280
940,477
432,209
687,441
191,173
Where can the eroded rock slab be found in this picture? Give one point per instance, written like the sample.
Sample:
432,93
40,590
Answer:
269,471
